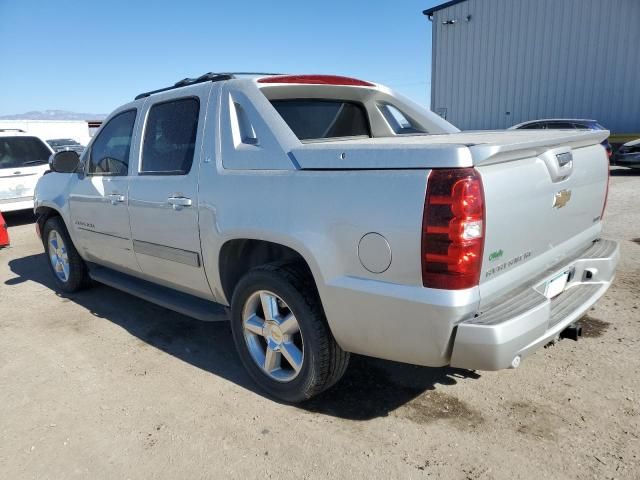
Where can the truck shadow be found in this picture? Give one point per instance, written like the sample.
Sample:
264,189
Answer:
371,388
625,172
21,217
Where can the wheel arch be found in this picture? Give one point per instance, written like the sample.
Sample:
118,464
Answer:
239,255
44,213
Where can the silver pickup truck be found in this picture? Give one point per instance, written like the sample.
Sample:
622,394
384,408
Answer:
333,216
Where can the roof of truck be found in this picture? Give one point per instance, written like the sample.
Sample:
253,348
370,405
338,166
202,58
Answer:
265,78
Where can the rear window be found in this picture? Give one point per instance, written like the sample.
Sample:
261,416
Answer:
560,126
312,119
22,152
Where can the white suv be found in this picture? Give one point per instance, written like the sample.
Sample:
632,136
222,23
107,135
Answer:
23,160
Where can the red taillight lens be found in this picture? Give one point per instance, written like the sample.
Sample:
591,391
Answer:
453,229
317,80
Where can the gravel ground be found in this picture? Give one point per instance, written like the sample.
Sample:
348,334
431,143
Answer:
100,384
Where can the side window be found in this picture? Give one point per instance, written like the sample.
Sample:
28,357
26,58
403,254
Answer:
110,151
398,121
170,137
533,126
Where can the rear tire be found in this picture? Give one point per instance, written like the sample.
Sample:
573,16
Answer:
282,336
69,270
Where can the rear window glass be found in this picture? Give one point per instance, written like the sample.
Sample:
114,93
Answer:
312,119
22,152
560,126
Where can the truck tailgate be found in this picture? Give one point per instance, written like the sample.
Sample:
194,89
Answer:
539,211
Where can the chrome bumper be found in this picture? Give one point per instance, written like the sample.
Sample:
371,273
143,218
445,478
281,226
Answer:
519,323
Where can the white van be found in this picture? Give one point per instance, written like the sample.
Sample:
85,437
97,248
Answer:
24,158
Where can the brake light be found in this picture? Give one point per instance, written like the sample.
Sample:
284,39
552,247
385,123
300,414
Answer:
317,80
453,229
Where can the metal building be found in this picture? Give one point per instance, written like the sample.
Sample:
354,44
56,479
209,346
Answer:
497,63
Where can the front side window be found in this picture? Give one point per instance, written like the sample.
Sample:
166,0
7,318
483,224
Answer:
312,119
22,152
170,137
110,151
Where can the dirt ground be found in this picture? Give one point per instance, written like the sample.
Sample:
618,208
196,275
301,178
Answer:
103,385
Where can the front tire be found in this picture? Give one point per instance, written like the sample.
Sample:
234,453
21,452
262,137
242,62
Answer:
69,270
282,336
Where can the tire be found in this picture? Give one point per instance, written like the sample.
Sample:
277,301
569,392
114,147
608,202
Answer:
323,362
74,276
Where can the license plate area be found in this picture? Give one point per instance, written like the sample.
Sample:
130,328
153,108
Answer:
556,285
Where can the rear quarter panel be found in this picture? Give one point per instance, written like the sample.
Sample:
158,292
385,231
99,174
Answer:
323,215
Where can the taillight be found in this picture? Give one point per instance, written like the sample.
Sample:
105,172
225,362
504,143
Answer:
453,229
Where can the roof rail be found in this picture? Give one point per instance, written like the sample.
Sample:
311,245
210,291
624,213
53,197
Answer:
207,77
235,74
12,130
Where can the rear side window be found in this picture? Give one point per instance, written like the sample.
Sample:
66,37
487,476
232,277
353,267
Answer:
170,137
589,126
312,119
22,152
110,150
398,121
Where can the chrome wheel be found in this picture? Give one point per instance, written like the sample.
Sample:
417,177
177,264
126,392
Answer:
58,255
273,336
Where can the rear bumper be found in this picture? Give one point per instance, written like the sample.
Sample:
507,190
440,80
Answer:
516,325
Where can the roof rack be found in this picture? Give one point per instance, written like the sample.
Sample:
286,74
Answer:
207,77
12,130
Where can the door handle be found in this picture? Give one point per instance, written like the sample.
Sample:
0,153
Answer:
178,202
116,198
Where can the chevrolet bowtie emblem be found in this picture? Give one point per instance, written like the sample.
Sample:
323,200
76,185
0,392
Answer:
561,198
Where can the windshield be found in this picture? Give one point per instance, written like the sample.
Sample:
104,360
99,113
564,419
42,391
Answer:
22,151
312,119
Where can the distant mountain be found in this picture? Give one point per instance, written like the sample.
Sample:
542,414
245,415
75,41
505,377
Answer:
54,115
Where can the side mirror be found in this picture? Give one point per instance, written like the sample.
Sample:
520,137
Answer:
65,161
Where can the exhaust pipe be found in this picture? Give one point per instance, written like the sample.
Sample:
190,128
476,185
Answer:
573,331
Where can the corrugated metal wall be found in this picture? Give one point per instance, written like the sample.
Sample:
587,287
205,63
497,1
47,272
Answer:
507,61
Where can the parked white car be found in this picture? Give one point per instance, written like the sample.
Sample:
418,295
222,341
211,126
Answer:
23,160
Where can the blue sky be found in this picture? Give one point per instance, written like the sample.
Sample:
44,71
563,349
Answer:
91,56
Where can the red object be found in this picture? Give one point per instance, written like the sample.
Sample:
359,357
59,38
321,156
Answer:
4,233
316,80
453,229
